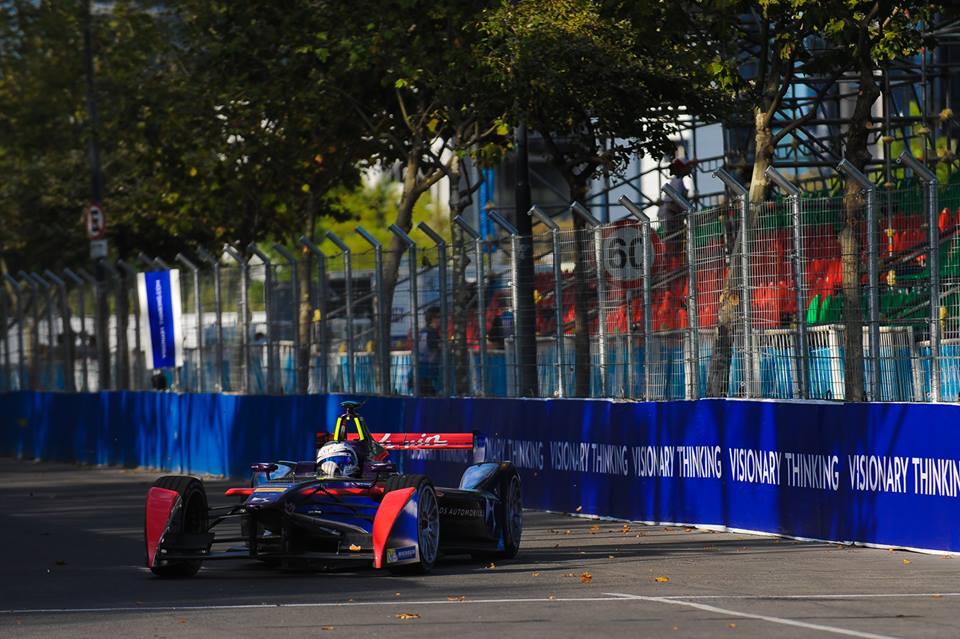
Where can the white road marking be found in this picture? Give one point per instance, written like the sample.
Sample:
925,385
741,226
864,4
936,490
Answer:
852,595
326,604
747,615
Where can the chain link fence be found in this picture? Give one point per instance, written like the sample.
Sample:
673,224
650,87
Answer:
747,300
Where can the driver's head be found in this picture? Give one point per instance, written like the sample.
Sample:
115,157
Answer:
337,459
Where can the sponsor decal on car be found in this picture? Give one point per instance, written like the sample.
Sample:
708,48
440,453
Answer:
401,554
465,513
270,489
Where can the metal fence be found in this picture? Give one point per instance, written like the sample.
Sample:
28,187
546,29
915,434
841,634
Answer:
743,299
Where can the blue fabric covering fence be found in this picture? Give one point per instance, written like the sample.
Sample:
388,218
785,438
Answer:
876,473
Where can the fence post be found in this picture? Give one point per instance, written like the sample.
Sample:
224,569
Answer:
414,303
444,309
138,363
930,184
514,292
693,316
79,284
799,276
146,261
741,191
217,293
298,373
199,310
594,224
5,343
244,320
19,311
305,242
67,333
647,298
545,219
121,380
48,297
481,306
351,385
873,293
272,359
94,287
383,324
34,330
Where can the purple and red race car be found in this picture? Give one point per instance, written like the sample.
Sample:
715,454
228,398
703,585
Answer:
350,503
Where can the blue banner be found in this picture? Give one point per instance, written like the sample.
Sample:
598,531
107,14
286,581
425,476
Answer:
886,474
159,293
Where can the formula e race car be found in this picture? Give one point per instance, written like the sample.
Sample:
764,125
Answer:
350,503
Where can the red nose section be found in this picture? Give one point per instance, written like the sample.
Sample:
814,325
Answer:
393,502
160,503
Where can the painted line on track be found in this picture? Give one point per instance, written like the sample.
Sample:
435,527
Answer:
318,604
681,600
749,615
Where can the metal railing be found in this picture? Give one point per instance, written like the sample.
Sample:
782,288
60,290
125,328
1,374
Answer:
741,299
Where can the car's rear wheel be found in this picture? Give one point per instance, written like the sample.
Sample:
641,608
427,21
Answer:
512,497
428,521
191,517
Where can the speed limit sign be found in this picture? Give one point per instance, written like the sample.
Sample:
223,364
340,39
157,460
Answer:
623,252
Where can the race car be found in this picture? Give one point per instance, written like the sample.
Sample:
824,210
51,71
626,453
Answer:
350,503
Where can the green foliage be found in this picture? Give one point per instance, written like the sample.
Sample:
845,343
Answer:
581,72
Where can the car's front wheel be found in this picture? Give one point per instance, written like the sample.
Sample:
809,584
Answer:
428,521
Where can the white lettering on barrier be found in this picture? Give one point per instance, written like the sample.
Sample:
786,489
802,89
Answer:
878,473
934,476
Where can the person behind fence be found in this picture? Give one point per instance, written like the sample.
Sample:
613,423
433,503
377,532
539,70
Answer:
428,353
670,214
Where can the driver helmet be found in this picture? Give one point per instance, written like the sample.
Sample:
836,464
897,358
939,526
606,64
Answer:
337,459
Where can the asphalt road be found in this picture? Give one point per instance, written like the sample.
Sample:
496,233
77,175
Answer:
73,555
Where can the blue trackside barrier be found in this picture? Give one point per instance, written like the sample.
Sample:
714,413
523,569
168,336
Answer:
875,473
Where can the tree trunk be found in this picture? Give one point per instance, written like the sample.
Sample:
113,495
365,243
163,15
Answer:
731,305
461,297
304,280
583,244
857,154
408,199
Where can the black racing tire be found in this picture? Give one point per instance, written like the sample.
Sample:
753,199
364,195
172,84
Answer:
192,517
509,489
428,521
511,496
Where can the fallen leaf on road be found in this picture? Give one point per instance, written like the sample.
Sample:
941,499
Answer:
610,557
567,532
662,579
396,594
556,545
689,529
731,625
551,596
536,574
906,562
568,574
456,598
407,615
491,566
586,578
625,529
938,596
594,529
327,628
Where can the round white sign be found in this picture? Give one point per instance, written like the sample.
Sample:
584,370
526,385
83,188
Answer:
623,253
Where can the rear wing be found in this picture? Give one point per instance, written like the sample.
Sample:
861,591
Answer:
421,441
